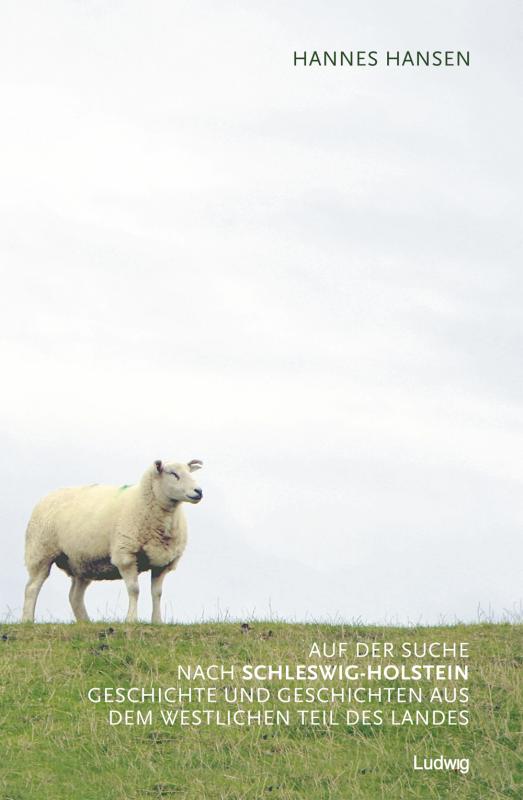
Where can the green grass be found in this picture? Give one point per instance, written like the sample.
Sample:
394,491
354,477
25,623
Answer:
55,744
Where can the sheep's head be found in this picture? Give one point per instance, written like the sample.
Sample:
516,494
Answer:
174,481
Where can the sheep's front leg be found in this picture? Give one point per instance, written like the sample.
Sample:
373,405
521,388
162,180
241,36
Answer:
129,573
157,576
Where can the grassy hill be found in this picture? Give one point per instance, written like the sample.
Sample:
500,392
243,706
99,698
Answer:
56,744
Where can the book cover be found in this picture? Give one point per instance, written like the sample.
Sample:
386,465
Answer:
261,409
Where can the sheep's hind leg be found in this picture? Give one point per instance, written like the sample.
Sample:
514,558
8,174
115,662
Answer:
129,573
76,598
37,576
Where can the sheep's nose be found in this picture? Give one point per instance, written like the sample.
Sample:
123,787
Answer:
198,491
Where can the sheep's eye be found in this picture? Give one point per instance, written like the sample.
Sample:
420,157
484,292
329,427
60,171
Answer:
175,475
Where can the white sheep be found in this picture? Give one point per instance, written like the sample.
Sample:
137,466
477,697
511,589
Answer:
109,532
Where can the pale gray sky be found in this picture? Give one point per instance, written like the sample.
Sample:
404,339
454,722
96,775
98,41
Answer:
308,278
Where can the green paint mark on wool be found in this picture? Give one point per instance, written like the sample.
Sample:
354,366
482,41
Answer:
125,486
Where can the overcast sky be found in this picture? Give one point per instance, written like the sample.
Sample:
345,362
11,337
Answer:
308,278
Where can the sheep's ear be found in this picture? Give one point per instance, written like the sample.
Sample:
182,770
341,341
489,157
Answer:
159,466
195,464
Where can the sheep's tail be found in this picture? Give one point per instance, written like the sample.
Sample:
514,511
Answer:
38,535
